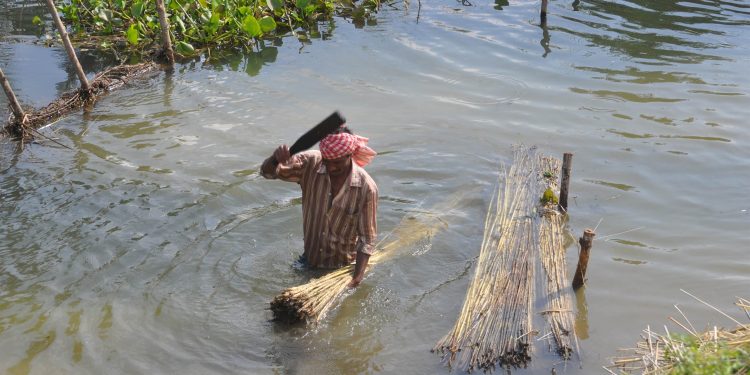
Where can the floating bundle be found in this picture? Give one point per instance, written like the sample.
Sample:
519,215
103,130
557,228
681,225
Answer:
311,302
675,352
494,326
556,300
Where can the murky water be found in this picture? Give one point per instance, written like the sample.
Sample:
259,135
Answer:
153,246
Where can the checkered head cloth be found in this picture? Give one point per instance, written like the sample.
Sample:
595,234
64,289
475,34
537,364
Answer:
335,146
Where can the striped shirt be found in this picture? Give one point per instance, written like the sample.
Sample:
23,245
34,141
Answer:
335,228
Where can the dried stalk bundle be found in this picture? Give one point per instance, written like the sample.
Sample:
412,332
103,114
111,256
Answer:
311,302
103,83
660,353
494,326
558,311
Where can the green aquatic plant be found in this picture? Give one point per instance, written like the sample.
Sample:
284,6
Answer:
204,23
695,356
716,351
548,197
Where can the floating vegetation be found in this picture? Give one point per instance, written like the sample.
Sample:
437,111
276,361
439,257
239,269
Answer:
548,197
715,351
494,327
202,23
310,302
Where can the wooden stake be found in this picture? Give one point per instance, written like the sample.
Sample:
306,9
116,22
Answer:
565,180
583,258
68,46
543,15
14,105
165,38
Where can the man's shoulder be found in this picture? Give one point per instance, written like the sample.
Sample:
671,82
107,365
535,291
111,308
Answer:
310,158
366,179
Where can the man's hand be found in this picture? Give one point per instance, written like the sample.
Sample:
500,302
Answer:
359,269
281,154
289,169
281,164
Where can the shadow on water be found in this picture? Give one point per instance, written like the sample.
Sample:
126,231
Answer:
499,4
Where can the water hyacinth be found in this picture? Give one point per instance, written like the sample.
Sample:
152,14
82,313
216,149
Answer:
203,23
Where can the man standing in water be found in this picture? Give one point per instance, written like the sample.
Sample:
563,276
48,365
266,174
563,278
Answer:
339,200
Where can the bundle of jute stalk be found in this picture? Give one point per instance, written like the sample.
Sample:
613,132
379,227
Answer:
311,302
522,235
714,351
556,292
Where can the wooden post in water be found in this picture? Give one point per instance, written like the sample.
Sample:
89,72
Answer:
14,105
565,180
68,46
165,38
543,14
583,258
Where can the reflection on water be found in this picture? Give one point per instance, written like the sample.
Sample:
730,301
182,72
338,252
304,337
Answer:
658,33
249,62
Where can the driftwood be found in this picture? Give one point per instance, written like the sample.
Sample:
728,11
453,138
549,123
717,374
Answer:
68,46
165,38
14,105
104,82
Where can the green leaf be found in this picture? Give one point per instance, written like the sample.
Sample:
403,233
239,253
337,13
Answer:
275,4
203,3
184,48
137,9
104,15
267,24
302,4
36,21
213,24
119,4
132,35
251,26
181,25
